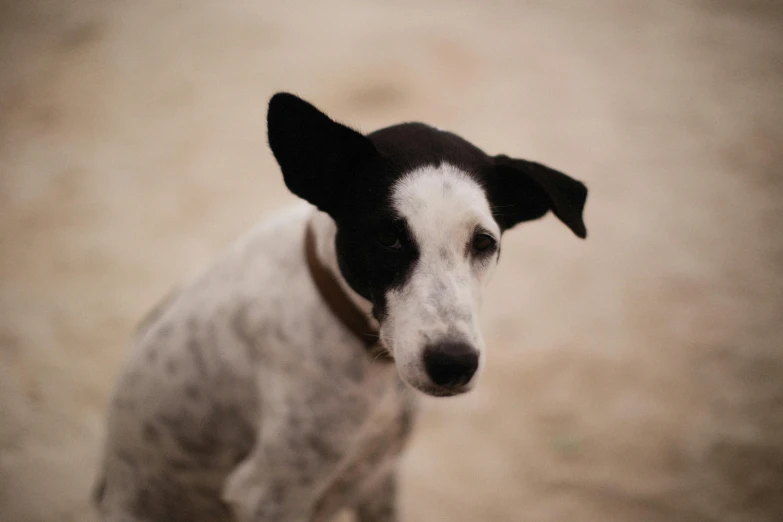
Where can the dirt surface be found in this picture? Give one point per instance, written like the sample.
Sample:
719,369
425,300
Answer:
637,376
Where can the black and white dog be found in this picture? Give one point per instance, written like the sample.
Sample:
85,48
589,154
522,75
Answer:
277,385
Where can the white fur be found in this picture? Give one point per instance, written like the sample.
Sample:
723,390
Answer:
443,207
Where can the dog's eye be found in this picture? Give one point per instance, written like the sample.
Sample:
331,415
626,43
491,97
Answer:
389,239
483,242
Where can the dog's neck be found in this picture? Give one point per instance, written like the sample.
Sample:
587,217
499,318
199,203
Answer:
325,231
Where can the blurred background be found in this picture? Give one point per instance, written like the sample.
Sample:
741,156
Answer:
636,376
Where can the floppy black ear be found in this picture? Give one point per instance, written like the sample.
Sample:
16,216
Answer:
316,154
524,190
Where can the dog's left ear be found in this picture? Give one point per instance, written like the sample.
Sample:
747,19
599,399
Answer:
317,155
523,190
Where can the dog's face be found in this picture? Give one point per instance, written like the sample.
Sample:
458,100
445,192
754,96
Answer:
419,215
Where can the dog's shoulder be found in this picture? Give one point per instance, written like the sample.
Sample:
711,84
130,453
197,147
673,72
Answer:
215,323
189,376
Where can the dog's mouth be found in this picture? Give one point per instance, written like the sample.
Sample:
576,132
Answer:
437,391
434,390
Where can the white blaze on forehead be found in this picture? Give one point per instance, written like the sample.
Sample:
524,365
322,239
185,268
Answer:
442,202
442,207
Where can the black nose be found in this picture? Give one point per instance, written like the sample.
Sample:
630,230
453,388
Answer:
450,364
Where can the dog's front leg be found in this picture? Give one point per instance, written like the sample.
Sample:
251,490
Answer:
259,491
379,503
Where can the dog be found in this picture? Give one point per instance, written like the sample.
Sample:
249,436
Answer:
280,385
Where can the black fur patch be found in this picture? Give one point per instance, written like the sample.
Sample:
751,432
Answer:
351,176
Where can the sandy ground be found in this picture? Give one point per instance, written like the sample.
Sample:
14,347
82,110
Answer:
637,376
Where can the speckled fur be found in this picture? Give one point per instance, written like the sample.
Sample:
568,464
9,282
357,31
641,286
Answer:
245,399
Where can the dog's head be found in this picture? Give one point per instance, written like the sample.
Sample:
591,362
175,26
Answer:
419,216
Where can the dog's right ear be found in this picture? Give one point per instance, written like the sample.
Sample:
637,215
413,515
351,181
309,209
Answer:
317,155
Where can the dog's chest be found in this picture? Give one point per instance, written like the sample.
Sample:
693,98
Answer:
375,447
